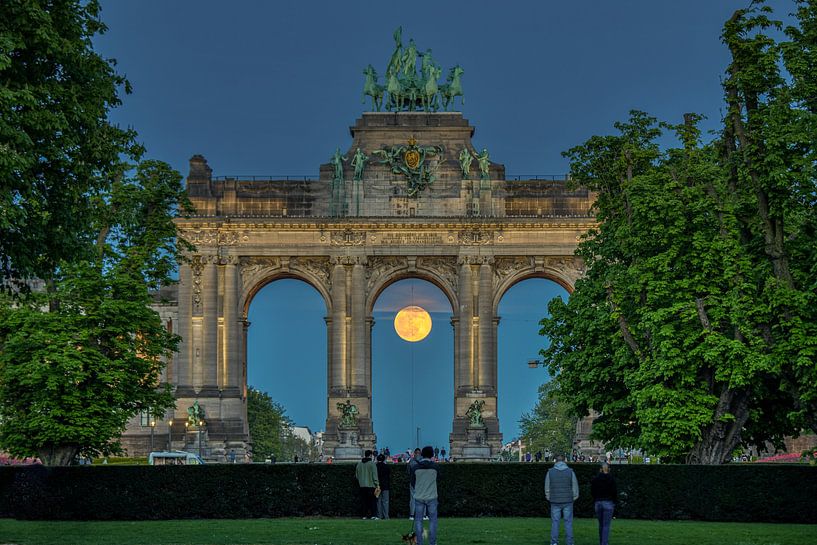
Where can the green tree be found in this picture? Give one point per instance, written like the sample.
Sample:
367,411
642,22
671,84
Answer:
770,148
58,151
270,427
81,357
550,426
79,360
694,329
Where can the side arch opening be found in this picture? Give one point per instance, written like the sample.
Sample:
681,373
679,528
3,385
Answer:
521,306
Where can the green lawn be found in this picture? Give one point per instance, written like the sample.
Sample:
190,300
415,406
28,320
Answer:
483,531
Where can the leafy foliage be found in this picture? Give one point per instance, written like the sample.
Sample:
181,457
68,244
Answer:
82,358
550,427
58,151
271,431
695,329
84,355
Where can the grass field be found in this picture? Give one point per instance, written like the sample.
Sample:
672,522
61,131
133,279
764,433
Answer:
482,531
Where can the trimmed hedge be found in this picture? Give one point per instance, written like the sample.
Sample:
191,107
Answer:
714,493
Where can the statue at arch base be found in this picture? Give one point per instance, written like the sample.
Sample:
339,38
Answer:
476,436
353,430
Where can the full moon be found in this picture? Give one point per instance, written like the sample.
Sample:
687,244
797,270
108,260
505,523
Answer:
412,324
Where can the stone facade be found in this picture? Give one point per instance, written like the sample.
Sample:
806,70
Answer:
472,238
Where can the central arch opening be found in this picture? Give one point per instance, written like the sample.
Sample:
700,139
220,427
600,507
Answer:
286,350
412,382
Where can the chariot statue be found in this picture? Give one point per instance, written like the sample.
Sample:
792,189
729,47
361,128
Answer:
406,90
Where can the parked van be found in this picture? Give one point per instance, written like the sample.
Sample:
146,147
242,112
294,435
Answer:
174,458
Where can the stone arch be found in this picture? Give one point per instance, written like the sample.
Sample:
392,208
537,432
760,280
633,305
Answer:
441,276
509,271
256,273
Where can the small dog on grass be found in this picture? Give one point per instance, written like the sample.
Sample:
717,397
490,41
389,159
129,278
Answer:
411,537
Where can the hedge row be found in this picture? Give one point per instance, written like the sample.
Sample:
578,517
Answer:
715,493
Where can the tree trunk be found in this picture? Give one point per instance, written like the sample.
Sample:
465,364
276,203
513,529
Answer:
722,437
61,455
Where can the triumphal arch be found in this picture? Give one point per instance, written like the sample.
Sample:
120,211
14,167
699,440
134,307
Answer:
409,197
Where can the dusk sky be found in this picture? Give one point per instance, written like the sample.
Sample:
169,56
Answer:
271,88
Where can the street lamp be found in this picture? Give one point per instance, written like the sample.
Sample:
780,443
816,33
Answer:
169,435
152,427
201,425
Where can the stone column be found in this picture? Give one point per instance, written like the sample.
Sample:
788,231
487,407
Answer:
230,380
368,335
209,356
487,348
495,381
357,344
464,379
339,340
184,372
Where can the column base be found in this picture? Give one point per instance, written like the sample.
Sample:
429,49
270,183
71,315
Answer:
209,390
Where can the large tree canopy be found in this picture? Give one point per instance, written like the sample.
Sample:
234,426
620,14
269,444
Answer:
57,148
695,330
82,356
80,359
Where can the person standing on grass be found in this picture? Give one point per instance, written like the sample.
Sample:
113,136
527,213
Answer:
424,479
384,477
604,492
561,490
366,474
413,461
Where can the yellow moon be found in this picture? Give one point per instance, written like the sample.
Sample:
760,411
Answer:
412,324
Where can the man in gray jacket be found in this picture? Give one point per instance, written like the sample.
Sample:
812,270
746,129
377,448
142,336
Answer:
424,480
561,490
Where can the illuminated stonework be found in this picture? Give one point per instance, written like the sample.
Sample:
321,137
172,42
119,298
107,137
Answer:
472,239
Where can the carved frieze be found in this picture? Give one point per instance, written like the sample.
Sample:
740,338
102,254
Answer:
380,266
319,267
443,266
214,236
197,263
569,266
347,237
509,266
251,265
474,237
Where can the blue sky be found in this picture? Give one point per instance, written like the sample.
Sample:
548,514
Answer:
271,88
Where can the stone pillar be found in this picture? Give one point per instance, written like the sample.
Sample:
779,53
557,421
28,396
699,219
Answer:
184,372
209,356
487,348
368,336
338,362
231,368
357,344
494,379
464,379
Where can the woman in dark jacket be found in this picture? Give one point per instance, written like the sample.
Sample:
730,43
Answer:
384,476
604,492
